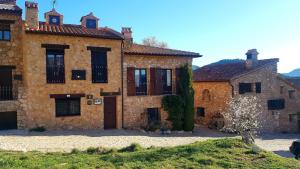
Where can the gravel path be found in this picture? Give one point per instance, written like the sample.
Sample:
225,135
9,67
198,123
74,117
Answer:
65,141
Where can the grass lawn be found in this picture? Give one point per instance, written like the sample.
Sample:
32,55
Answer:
224,153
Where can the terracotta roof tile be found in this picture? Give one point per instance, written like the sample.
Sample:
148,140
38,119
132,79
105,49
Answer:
137,49
226,71
75,30
10,8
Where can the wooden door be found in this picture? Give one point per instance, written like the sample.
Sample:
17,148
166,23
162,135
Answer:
110,113
5,84
8,120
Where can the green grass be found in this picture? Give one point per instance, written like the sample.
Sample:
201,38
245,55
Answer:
224,153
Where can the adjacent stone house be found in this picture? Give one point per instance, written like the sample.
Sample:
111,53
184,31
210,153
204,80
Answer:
218,83
66,76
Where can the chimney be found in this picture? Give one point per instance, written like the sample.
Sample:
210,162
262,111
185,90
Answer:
127,33
251,58
32,15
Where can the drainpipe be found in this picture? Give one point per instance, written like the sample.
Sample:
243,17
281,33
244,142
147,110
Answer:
122,83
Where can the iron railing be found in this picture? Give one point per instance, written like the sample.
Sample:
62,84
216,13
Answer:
55,74
99,73
7,93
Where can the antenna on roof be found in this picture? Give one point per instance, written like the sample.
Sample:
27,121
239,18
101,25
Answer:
54,3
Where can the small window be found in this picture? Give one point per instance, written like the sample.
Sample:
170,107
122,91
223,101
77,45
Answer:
140,81
5,32
292,94
245,88
258,87
153,115
278,104
78,75
54,20
293,118
281,89
91,23
201,112
206,95
249,57
55,66
67,107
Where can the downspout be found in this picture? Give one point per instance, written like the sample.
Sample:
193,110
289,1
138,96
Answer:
122,83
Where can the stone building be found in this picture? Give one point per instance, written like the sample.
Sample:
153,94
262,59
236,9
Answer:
216,84
66,76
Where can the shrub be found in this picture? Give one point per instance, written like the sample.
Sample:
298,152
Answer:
174,106
132,148
75,151
97,150
38,129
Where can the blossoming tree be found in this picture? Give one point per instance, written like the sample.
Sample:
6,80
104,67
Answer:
243,116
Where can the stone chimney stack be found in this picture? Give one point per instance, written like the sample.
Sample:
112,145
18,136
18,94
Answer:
32,15
127,33
251,58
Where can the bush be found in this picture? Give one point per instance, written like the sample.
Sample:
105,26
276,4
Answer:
97,150
174,106
132,148
38,129
75,151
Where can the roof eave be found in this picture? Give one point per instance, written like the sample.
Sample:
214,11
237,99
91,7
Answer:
160,54
69,34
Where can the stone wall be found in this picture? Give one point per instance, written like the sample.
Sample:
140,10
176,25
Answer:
213,103
11,55
135,106
41,108
272,121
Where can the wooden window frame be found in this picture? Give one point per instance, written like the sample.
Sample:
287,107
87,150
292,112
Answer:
5,27
67,101
103,68
51,75
142,89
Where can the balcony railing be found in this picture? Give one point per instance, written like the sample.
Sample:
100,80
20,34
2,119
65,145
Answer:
7,93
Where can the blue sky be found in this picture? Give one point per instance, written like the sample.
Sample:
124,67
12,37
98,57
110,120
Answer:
217,29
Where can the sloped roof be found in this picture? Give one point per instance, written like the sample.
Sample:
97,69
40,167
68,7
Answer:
227,71
293,81
75,30
137,49
9,6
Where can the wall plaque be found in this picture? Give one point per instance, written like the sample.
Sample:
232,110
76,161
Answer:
97,101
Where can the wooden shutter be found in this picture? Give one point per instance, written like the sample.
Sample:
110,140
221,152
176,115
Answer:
178,73
152,81
130,81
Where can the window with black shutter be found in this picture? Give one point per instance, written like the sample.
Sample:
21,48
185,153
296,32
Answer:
67,107
258,87
55,66
153,115
278,104
245,88
99,66
201,112
140,81
5,32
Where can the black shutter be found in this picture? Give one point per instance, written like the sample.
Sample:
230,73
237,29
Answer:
258,87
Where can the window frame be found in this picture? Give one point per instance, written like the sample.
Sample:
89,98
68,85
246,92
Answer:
242,90
60,79
166,89
292,94
90,20
4,27
101,67
54,16
68,102
142,89
273,104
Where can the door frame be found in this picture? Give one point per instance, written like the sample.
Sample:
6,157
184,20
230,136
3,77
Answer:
116,117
